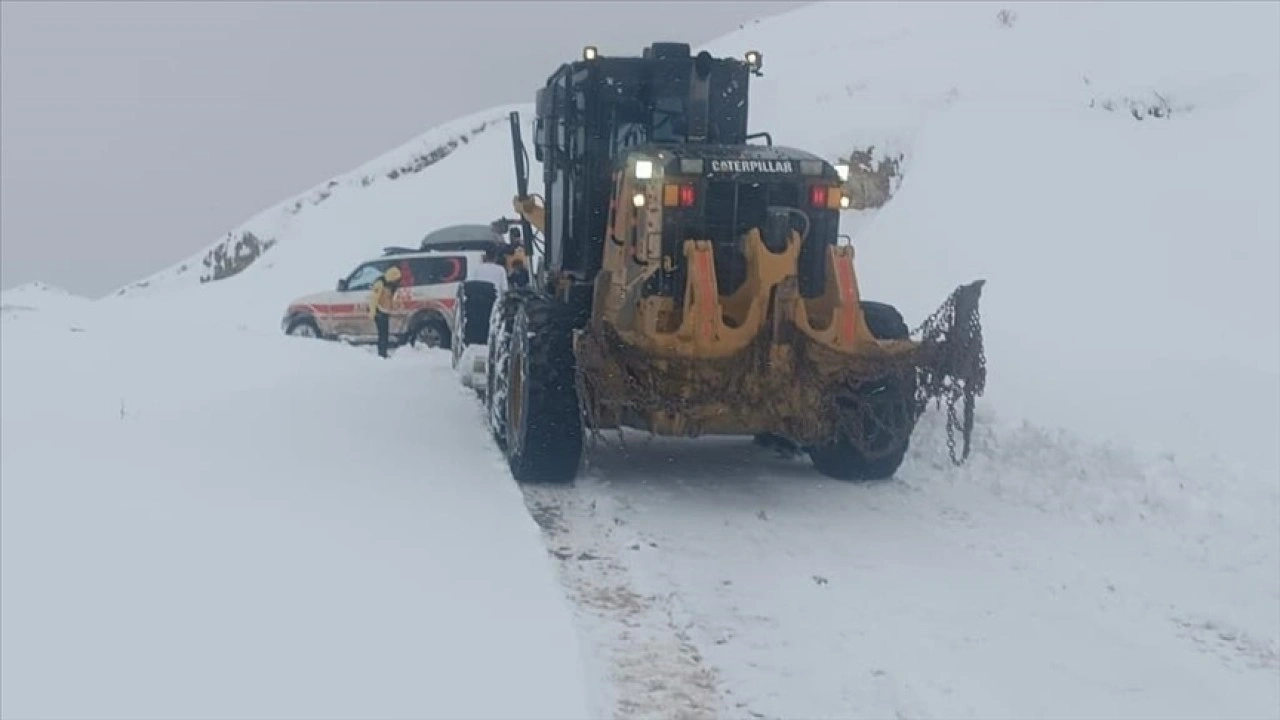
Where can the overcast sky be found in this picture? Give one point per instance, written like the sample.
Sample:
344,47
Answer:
134,134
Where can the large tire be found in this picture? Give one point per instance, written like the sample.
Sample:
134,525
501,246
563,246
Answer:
544,435
501,319
895,401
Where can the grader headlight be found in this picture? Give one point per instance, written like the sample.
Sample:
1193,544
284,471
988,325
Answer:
643,169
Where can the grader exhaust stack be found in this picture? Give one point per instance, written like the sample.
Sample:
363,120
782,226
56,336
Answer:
692,283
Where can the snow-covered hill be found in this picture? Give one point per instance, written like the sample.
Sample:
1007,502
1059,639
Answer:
39,297
1129,260
395,199
390,177
1111,549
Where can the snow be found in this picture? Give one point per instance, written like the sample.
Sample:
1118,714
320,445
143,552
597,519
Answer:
770,592
1132,264
253,525
38,296
234,524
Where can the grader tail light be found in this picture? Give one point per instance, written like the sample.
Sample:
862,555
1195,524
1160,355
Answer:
679,195
828,197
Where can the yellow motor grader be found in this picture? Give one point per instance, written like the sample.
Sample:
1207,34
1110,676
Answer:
687,278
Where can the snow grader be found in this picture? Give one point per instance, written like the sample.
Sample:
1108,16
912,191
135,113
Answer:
688,278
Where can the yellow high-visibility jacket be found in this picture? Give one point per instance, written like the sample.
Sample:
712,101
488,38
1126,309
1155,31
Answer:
380,296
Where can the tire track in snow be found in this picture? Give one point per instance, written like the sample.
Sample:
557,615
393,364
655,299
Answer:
655,669
723,581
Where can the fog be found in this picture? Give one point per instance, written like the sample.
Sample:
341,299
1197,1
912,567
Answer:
134,134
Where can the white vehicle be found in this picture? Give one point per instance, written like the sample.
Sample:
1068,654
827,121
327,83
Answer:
422,309
471,314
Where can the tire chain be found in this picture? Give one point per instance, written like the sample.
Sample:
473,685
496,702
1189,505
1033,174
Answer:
955,363
500,316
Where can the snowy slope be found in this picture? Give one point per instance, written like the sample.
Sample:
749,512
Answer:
322,242
1111,548
319,228
1125,258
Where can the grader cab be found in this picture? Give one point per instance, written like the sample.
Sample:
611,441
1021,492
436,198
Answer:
688,280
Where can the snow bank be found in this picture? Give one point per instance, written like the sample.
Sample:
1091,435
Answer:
1122,308
1132,261
225,524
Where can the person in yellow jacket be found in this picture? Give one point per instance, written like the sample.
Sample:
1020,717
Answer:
380,297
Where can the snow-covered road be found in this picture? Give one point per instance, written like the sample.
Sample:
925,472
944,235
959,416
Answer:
210,523
309,529
730,582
